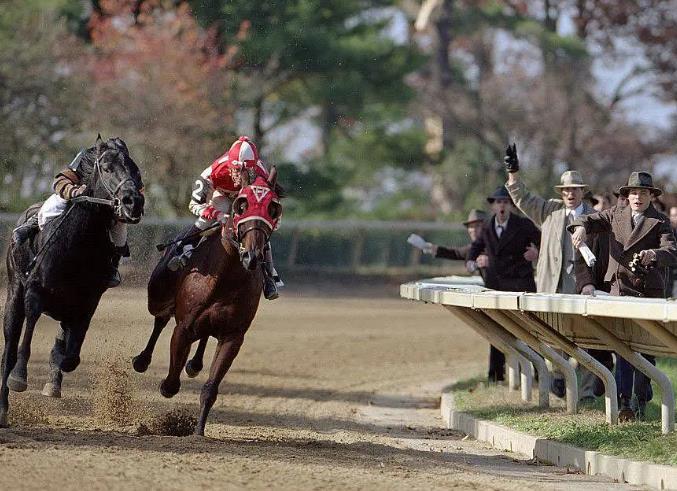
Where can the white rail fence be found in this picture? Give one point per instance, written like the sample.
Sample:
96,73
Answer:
522,324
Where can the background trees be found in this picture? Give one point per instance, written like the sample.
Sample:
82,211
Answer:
379,108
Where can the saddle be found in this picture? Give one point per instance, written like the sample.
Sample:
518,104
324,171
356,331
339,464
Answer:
29,212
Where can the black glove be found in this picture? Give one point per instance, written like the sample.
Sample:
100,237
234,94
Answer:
647,257
512,163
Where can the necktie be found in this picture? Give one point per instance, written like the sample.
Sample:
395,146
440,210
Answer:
637,220
572,259
499,231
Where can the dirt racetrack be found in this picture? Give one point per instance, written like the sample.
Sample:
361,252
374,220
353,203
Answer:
326,393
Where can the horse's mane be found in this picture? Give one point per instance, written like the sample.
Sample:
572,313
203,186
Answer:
88,158
279,190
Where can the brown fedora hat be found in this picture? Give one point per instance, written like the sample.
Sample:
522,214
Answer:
571,179
639,180
475,216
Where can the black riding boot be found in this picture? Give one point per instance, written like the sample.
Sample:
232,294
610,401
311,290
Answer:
24,231
271,280
114,279
185,250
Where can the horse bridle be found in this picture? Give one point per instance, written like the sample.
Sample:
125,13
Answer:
114,202
235,237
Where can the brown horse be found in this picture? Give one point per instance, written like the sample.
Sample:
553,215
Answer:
217,294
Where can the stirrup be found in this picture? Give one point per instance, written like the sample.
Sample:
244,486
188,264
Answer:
180,261
114,280
270,288
24,231
176,263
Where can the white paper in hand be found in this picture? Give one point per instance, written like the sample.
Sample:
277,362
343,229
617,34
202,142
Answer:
588,256
417,241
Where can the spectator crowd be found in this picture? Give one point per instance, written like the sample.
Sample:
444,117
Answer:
530,243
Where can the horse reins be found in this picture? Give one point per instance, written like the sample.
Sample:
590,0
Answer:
114,203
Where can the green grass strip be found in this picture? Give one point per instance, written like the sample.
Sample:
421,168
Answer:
588,429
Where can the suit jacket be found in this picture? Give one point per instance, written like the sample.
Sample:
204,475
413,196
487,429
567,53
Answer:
453,253
507,270
550,216
672,276
654,233
585,275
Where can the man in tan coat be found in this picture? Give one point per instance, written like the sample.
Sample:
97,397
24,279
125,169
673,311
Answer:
556,260
555,269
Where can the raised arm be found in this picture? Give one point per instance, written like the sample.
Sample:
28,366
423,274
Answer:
532,205
453,253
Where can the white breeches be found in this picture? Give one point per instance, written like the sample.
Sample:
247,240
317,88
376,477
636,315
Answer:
51,208
55,206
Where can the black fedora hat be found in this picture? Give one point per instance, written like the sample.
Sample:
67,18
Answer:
590,197
639,180
501,192
475,216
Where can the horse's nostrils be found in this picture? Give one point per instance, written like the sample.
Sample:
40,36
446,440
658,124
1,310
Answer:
249,260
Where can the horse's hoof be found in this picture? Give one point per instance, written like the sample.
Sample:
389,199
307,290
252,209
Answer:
168,391
3,420
69,363
193,368
140,363
16,383
51,390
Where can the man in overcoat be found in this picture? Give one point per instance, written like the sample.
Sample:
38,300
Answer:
505,249
473,225
556,262
636,229
555,269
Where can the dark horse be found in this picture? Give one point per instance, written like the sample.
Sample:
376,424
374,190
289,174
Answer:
64,269
217,294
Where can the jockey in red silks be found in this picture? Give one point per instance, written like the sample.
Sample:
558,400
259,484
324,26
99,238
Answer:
212,198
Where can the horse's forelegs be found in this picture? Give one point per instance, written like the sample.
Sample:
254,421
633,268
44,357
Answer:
226,351
75,336
14,317
194,366
53,386
18,378
178,354
141,361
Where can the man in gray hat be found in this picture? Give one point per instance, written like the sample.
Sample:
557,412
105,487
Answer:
556,261
637,230
555,269
474,226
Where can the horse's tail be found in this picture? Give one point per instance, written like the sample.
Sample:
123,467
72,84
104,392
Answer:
162,288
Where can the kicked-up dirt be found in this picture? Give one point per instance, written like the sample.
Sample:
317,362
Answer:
327,393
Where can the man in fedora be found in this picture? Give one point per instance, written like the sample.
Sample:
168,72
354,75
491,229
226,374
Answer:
637,230
555,271
473,225
505,248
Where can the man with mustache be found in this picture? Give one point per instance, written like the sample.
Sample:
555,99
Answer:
555,270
